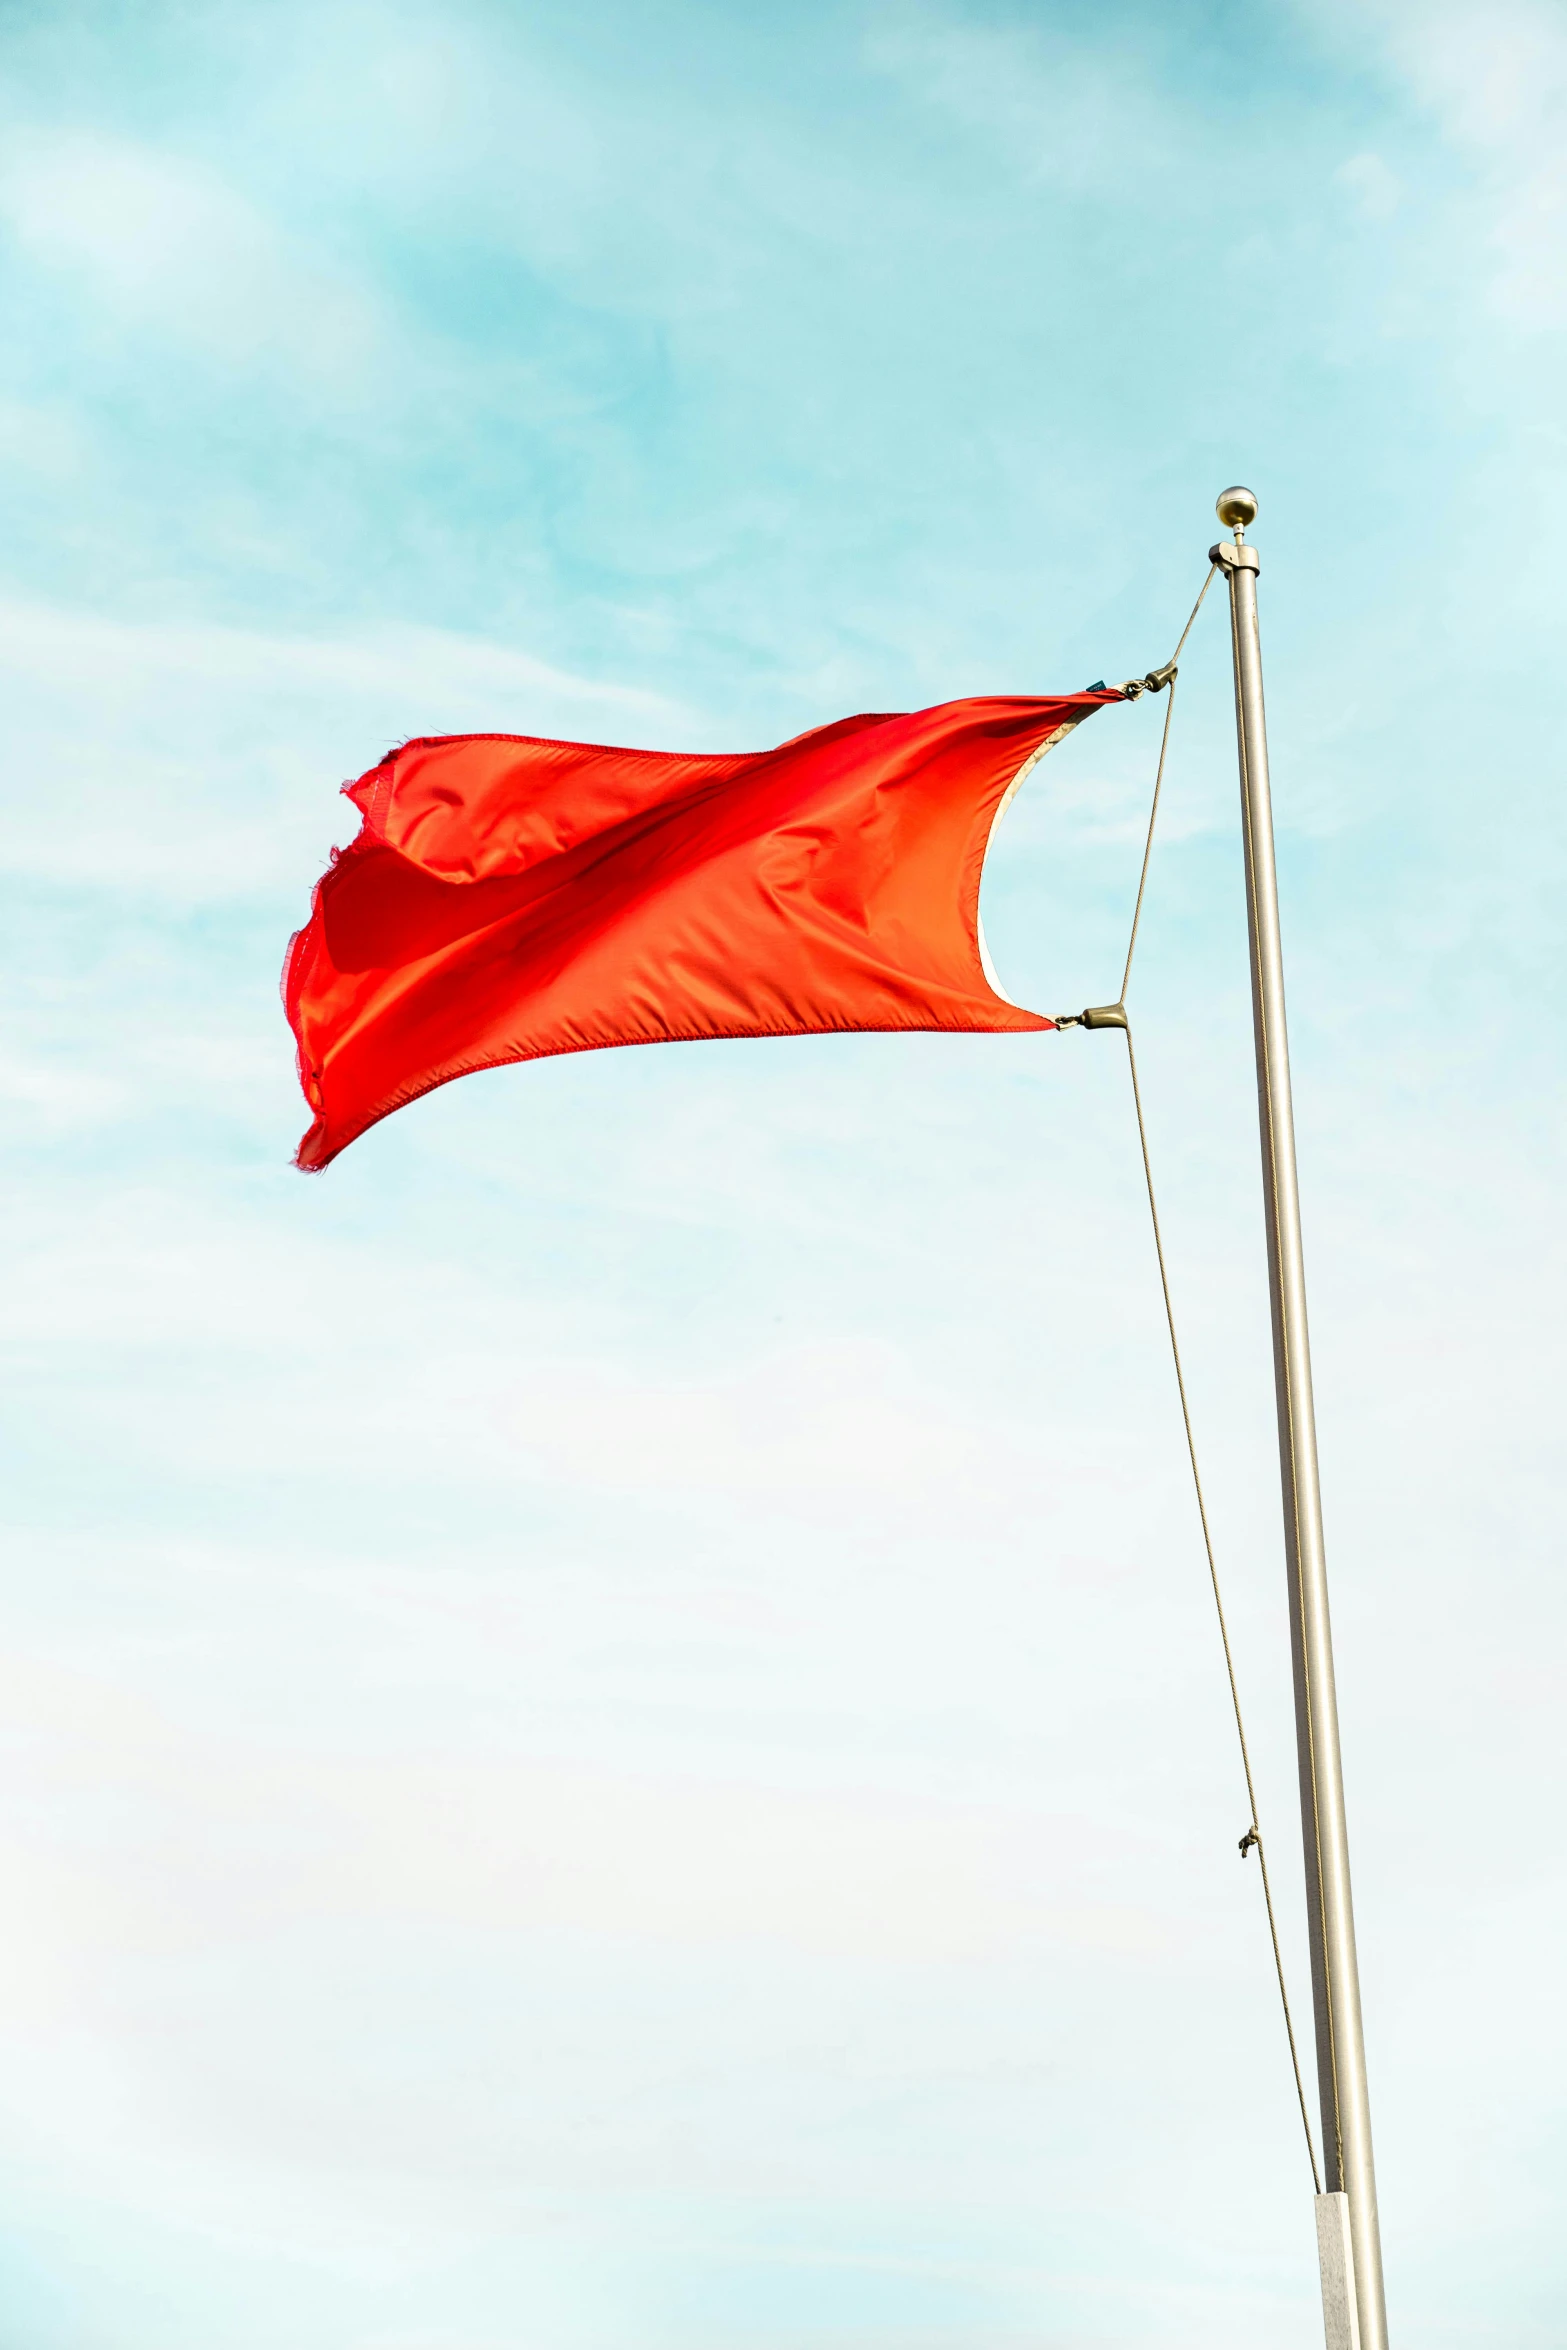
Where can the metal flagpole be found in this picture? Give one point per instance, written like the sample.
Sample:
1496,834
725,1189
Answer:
1348,2241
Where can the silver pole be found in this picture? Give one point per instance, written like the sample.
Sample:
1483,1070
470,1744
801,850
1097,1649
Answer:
1353,2308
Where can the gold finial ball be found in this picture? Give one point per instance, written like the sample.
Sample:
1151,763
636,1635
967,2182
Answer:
1236,507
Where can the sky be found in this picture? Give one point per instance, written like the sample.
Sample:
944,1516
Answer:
613,1731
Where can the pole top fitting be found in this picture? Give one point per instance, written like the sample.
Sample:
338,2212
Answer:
1236,507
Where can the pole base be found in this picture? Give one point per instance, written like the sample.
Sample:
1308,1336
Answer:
1336,2254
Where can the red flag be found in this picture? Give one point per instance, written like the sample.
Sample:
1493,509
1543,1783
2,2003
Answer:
508,898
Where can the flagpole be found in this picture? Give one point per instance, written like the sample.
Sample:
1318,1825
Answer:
1351,2255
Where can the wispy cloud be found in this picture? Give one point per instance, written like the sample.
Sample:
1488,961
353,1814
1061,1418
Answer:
1495,78
203,761
170,245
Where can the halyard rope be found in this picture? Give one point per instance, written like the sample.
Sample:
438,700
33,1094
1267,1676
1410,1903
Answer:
1253,1835
1168,671
1142,878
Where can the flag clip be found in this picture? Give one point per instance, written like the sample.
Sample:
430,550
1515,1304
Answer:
1097,1016
1154,683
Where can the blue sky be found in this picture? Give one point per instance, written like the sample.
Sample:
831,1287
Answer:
613,1733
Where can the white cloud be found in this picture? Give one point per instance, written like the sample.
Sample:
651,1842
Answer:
1057,112
168,244
204,762
1496,78
1373,189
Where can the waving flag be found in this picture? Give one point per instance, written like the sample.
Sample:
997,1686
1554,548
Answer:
509,898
